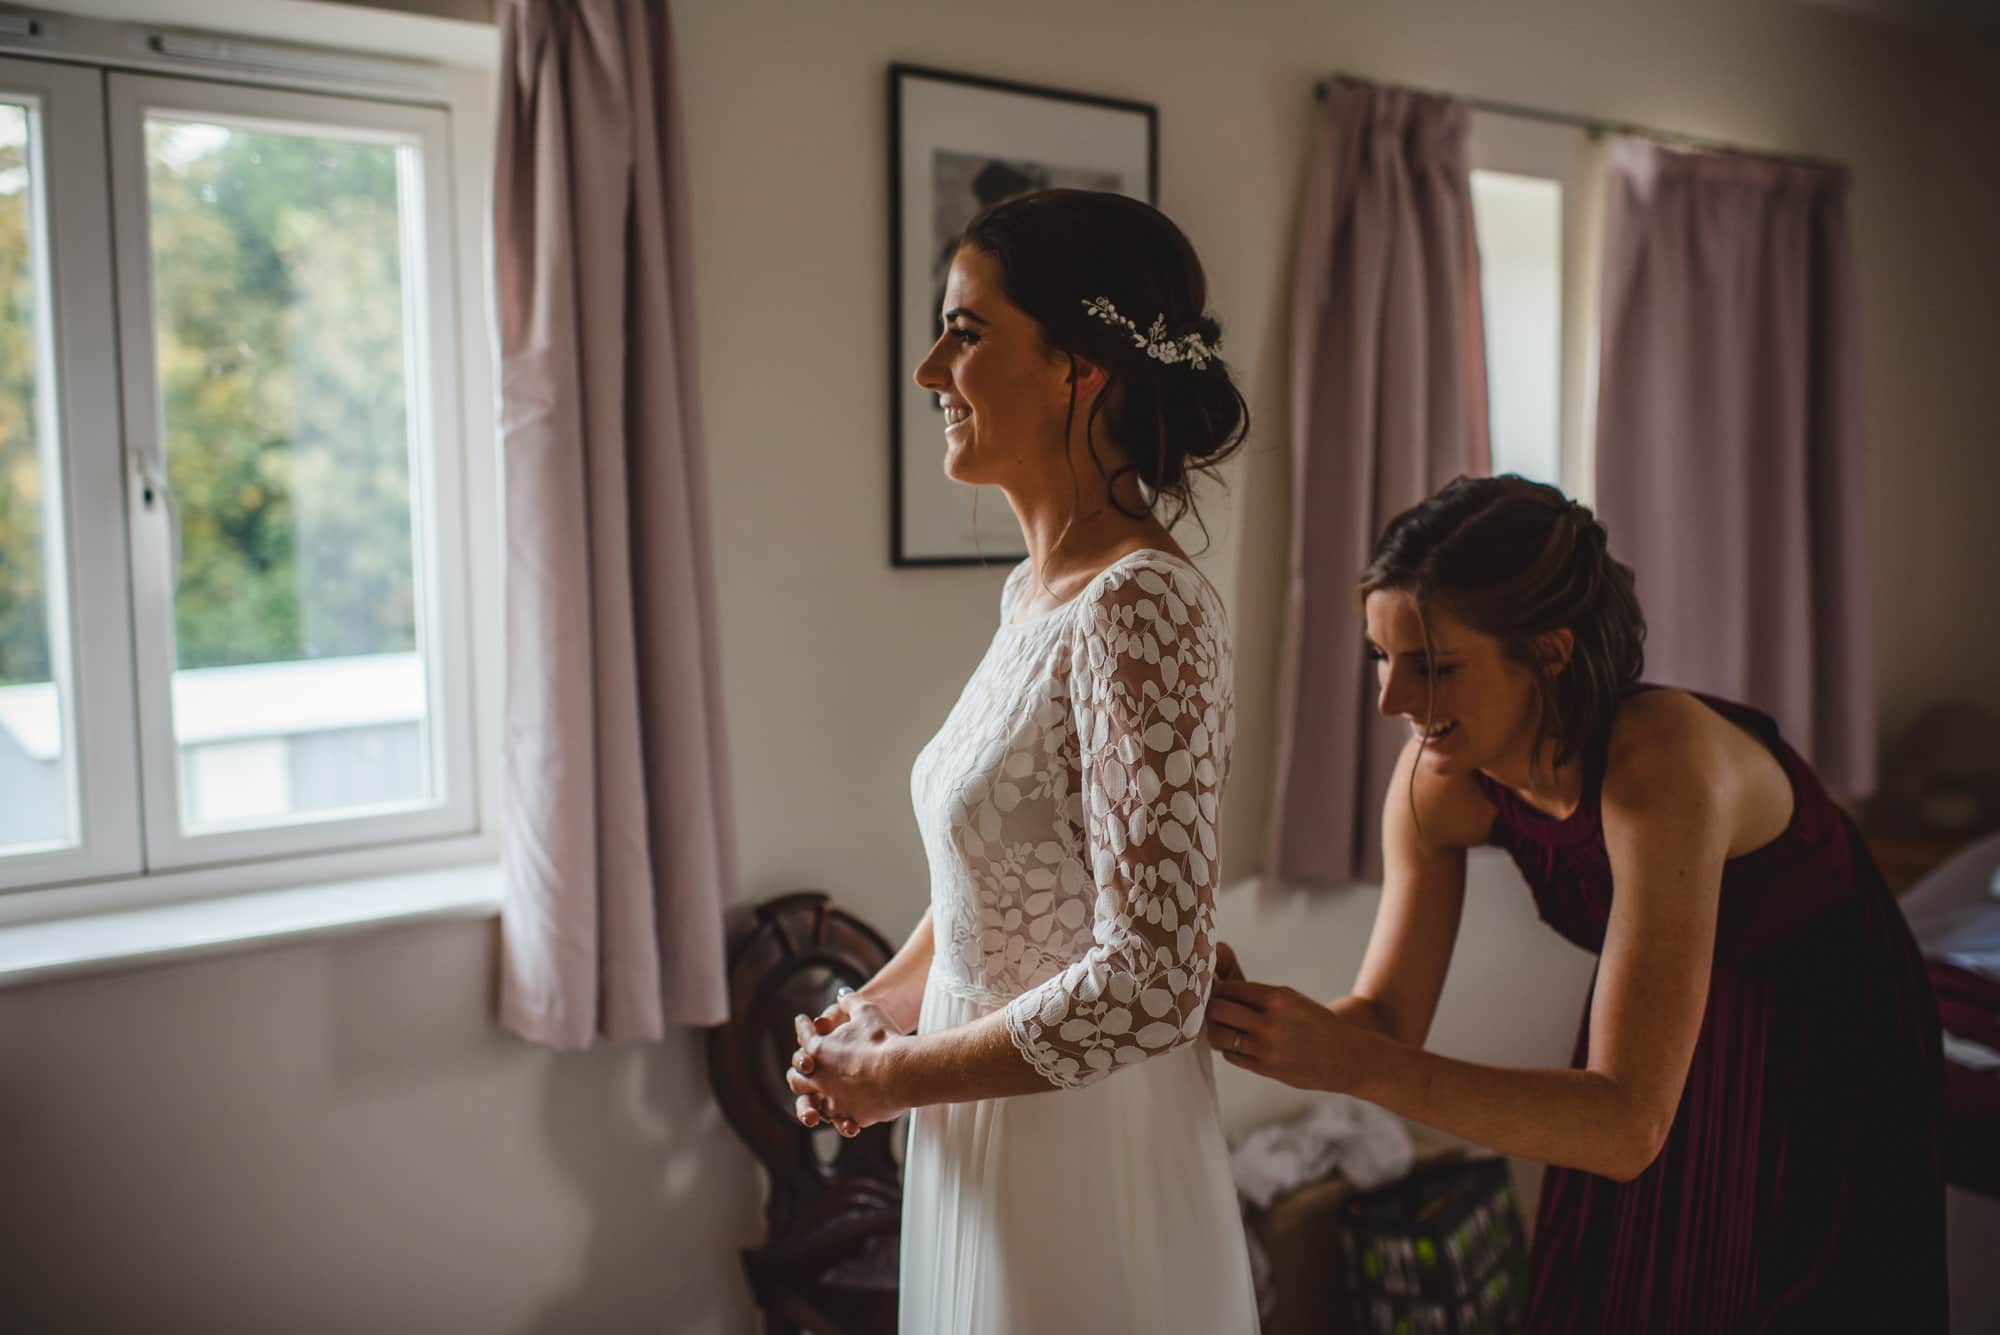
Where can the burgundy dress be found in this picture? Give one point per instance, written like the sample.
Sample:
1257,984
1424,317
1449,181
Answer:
1799,1189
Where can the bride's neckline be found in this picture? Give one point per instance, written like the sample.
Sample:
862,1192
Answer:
1043,617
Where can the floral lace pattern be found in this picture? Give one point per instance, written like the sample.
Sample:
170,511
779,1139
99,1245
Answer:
1068,807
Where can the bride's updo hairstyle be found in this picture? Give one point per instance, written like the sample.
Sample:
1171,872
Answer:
1516,559
1096,271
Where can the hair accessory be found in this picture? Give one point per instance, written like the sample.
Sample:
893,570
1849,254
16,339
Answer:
1190,348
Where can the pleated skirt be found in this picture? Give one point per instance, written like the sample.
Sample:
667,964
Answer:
1800,1188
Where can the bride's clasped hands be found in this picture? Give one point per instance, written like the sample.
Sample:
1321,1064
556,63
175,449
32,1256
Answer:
843,1068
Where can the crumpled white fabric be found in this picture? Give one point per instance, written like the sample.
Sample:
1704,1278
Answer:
1970,1053
1954,911
1365,1144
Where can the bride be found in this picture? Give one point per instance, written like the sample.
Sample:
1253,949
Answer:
1068,807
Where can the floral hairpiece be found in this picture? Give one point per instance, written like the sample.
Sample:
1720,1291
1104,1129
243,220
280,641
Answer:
1190,348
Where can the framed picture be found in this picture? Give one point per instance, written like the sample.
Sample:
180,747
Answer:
956,144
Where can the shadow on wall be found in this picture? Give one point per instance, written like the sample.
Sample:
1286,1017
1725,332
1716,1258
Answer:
639,1193
637,1134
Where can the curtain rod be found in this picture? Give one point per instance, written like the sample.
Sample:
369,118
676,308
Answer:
1591,125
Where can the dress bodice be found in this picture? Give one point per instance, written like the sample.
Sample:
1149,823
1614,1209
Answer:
1068,809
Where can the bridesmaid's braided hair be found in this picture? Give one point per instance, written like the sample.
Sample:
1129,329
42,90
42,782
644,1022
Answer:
1063,252
1516,559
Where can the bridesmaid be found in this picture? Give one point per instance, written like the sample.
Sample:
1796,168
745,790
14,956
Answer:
1748,1137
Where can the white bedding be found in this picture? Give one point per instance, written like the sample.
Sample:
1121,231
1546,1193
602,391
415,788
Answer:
1955,911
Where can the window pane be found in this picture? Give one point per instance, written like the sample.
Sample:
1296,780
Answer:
37,776
1519,223
283,304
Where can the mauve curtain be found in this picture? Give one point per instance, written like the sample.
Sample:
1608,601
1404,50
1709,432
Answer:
619,852
1729,453
1388,404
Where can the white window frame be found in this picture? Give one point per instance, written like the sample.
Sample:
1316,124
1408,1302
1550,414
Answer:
111,871
1570,157
87,608
437,480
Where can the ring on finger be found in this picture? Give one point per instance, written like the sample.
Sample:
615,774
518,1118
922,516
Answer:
1236,1048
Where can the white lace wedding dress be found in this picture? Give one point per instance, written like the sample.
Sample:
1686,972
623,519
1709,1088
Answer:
1068,808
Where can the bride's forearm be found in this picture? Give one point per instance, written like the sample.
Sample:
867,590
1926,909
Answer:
898,986
970,1061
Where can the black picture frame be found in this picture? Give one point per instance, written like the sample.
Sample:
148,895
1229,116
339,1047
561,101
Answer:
956,142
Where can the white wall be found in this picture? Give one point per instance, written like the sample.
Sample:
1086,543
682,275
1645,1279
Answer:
331,1138
784,142
334,1138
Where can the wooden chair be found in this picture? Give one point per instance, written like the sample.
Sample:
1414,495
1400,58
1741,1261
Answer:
828,1265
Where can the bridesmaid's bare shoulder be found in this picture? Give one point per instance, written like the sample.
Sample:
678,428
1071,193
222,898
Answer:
1452,809
1669,739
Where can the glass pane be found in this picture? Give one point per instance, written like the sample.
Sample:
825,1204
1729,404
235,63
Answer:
1519,223
37,776
283,301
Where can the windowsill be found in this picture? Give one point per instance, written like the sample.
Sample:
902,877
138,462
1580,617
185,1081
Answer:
130,938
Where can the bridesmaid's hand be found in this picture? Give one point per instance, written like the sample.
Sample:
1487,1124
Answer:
844,1071
1285,1035
1228,969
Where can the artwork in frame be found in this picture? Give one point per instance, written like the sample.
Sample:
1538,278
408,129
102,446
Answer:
956,144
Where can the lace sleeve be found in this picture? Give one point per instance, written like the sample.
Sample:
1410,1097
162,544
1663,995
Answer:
1150,689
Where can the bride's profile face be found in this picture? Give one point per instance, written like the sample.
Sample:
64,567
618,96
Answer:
1004,393
1486,708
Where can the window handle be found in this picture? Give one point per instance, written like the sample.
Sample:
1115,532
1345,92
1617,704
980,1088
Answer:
156,494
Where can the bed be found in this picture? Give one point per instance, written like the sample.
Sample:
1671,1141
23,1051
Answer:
1955,914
